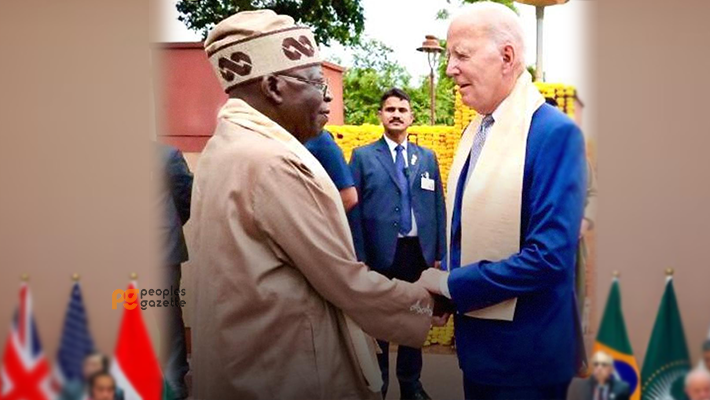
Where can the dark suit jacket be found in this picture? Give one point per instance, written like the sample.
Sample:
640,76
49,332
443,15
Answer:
538,347
583,389
374,221
175,200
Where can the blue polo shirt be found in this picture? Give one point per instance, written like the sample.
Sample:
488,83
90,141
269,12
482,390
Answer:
324,148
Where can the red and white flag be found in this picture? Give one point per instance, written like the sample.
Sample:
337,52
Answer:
135,366
25,372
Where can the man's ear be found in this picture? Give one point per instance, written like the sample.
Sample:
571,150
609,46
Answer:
509,57
272,87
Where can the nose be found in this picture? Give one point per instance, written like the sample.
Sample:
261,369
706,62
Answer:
327,96
451,67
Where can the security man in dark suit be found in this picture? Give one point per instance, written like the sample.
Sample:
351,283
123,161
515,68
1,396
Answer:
399,223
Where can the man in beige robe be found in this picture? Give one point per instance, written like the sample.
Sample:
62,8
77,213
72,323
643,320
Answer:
280,299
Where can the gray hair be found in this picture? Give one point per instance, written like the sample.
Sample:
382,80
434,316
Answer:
696,373
503,27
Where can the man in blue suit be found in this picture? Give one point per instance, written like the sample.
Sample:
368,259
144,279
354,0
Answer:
398,226
516,199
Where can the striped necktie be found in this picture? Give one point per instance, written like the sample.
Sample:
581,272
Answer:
478,141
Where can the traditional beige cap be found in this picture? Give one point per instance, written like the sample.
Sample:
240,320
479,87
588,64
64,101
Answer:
251,44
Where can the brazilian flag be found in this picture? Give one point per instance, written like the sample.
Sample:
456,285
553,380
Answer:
612,339
667,360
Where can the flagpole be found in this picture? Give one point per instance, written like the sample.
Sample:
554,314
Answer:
669,274
75,277
25,278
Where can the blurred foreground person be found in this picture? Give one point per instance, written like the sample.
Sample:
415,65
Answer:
279,295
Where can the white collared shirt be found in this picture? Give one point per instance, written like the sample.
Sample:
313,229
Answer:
392,145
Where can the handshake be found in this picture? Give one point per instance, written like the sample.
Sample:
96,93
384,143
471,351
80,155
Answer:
443,306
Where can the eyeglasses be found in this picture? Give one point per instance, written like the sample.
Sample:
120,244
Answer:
322,86
601,364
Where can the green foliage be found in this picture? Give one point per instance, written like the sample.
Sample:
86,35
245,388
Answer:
445,14
507,3
532,70
339,20
374,72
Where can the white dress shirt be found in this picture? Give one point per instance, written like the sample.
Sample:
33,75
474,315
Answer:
392,145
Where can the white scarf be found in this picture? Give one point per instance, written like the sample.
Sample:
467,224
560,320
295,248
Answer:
240,113
491,203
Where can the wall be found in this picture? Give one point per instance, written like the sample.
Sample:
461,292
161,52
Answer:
191,95
653,163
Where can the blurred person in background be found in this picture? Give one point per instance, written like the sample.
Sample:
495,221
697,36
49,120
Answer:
102,386
697,384
175,200
327,152
706,355
602,385
95,363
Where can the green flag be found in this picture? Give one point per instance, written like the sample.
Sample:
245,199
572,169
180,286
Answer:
168,393
667,359
612,339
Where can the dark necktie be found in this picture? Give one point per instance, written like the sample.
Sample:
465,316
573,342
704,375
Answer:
405,209
470,164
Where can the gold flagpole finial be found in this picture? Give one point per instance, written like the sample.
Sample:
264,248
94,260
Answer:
616,274
25,278
75,277
669,272
134,276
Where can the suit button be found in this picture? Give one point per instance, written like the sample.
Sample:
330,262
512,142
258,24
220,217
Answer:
396,208
395,224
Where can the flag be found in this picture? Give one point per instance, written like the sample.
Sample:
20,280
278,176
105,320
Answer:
135,366
612,339
667,359
25,372
76,342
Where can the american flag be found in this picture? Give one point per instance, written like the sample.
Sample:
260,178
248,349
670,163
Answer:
76,342
25,372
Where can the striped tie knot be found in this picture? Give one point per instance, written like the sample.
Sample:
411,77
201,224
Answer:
487,121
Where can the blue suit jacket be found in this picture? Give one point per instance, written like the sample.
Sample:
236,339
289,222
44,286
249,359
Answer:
538,347
374,221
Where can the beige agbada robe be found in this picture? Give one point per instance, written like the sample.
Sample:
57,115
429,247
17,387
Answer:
276,275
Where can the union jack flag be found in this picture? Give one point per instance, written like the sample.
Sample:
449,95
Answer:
25,372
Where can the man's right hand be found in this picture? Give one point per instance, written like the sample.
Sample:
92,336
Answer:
440,320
